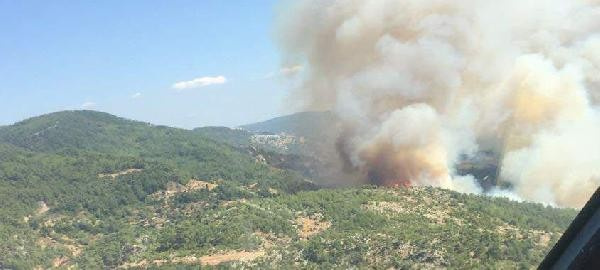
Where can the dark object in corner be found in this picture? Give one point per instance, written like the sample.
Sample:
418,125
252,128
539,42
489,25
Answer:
579,246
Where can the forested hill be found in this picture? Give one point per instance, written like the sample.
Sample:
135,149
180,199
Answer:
233,137
92,190
81,144
91,130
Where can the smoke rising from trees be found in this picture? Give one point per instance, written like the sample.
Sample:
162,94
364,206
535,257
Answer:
417,84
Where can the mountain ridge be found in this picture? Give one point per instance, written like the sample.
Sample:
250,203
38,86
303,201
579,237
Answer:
99,191
300,123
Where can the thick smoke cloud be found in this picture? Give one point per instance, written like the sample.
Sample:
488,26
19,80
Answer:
417,84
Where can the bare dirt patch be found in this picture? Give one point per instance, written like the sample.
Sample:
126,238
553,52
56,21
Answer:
507,229
269,240
544,239
174,188
46,242
64,242
212,260
438,216
230,203
243,256
309,226
60,261
115,175
142,264
72,246
195,184
383,207
43,208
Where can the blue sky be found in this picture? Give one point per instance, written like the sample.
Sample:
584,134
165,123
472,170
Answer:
125,57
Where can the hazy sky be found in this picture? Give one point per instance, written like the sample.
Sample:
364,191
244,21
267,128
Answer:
180,63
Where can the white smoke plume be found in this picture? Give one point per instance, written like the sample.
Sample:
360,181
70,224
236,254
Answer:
419,83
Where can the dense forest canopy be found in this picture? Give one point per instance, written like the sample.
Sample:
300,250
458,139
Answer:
90,189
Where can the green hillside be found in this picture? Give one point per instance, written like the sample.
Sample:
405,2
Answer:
233,137
89,190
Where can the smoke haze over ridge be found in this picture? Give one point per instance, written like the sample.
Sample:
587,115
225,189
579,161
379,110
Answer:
418,84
